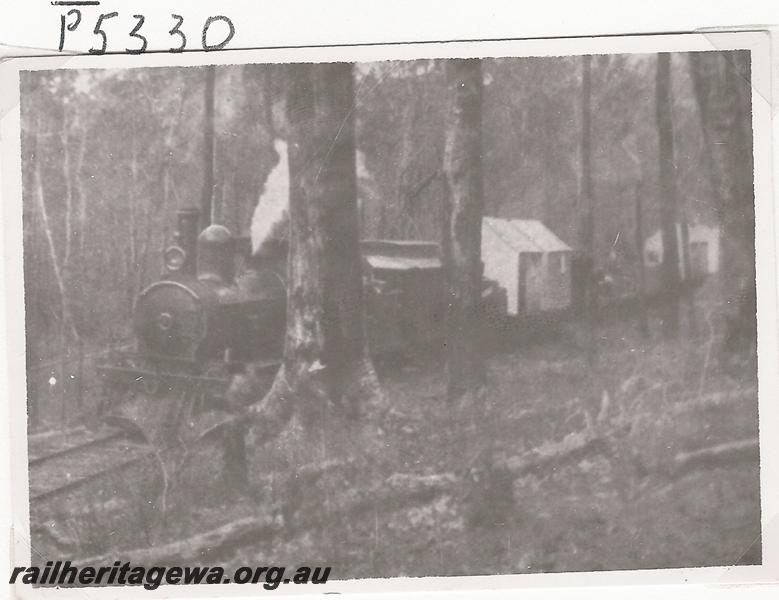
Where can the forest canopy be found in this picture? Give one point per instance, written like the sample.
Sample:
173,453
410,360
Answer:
110,155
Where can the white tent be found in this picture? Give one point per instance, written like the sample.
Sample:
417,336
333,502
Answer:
704,249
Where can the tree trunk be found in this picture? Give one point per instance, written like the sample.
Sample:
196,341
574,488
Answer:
326,369
325,338
643,321
721,81
49,233
586,259
462,173
667,185
32,261
688,284
402,219
209,139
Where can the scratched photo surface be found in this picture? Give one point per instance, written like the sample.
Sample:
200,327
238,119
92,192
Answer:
411,318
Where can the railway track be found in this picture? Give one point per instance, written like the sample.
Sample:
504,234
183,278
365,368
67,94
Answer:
62,463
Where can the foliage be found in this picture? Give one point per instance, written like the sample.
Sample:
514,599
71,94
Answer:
117,153
120,150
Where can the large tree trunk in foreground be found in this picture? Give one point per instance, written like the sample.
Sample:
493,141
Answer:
462,224
667,184
326,370
722,88
326,346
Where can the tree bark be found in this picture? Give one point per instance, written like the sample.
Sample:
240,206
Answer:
643,320
586,256
31,191
402,222
667,185
325,340
721,82
688,284
209,139
462,175
326,369
48,231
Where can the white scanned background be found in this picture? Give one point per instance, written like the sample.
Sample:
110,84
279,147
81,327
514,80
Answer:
33,26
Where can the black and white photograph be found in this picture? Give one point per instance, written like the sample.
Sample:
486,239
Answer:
471,312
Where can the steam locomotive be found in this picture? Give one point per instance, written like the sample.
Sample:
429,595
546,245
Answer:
206,316
218,306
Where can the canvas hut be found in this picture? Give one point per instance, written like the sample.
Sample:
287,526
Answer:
704,250
530,262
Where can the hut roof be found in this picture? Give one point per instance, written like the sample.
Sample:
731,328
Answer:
525,235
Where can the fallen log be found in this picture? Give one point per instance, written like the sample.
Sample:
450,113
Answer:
216,543
398,491
722,455
713,399
50,433
556,456
198,549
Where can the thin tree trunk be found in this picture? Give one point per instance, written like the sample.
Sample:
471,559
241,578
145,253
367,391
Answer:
39,195
267,100
586,259
132,285
462,174
67,276
550,178
667,186
31,257
67,177
82,208
66,321
688,284
403,219
643,321
209,139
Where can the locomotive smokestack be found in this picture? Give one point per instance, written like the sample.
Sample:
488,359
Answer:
188,228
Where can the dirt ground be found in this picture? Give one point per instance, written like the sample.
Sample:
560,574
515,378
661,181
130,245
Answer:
621,506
